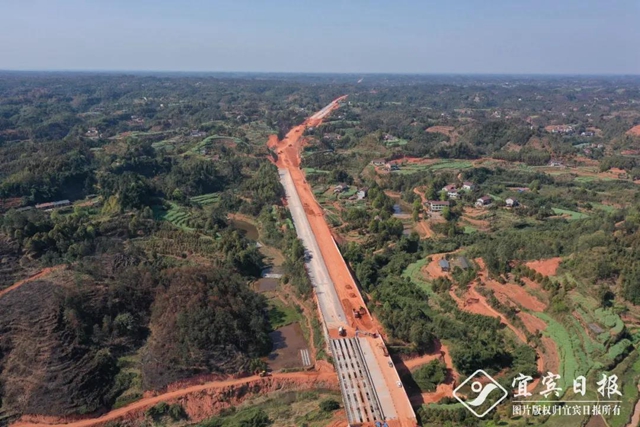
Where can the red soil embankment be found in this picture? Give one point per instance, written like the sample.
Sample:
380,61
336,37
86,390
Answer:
634,131
546,267
199,401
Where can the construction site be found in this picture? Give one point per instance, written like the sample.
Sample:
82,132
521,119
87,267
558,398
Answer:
371,388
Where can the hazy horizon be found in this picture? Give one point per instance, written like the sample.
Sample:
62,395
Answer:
336,37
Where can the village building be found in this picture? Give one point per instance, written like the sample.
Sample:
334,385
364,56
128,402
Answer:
468,186
392,167
437,205
362,193
484,201
340,188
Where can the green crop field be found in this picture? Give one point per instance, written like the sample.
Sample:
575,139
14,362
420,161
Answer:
609,319
573,361
572,214
395,142
606,208
451,164
583,179
311,171
589,344
410,168
206,199
175,215
629,373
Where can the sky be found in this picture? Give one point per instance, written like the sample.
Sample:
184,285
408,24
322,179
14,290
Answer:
351,36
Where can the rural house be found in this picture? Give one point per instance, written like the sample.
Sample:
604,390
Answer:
483,201
444,265
340,188
362,193
437,205
392,167
511,202
468,186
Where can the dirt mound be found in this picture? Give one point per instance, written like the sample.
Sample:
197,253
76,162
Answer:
634,131
511,294
546,267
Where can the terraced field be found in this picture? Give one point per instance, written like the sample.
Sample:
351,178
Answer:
573,360
440,165
206,199
175,215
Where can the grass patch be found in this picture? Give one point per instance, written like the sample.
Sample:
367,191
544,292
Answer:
469,229
284,408
281,314
129,380
311,171
606,208
573,215
413,272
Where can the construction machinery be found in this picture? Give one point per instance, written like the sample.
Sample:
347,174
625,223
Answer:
342,331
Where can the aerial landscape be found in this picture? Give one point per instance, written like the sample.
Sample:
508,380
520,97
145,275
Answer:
313,247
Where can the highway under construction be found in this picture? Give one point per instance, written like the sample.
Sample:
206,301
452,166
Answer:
371,388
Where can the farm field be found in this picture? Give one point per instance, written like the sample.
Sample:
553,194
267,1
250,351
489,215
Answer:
572,215
176,215
206,199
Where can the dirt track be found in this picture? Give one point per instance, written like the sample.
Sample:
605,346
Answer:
305,379
45,272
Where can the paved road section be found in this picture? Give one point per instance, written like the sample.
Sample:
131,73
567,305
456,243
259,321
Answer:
370,384
328,300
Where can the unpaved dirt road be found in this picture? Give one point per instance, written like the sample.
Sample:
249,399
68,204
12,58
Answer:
45,272
308,378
